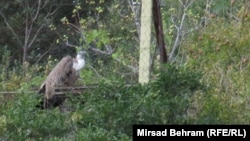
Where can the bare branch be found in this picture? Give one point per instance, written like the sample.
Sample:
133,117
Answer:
37,11
109,49
134,69
77,29
189,4
35,36
27,31
52,10
178,36
135,7
44,4
70,45
11,29
234,17
180,33
190,30
38,60
100,51
95,71
208,5
180,1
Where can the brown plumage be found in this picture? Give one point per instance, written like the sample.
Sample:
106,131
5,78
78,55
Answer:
63,74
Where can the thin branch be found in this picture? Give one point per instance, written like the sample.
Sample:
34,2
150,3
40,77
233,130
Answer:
27,31
190,30
37,11
100,51
38,60
70,45
134,69
11,29
234,17
44,4
180,1
208,5
189,4
178,36
74,26
35,36
136,15
109,49
52,10
95,71
180,33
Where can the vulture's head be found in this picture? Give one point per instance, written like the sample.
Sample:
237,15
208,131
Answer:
79,62
81,55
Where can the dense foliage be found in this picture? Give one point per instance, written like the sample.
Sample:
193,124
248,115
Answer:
205,81
106,112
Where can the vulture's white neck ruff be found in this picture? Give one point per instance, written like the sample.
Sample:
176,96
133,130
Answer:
79,62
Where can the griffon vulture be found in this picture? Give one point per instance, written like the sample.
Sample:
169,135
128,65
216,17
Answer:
65,73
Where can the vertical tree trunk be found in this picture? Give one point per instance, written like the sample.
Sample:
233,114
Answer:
145,33
159,31
25,53
25,60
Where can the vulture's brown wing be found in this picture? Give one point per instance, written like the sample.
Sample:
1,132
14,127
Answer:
60,75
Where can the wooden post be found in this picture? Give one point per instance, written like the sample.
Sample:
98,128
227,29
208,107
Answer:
145,33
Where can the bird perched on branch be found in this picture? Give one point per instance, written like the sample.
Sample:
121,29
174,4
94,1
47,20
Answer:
65,73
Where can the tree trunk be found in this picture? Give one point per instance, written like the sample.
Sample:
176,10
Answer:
25,53
159,31
144,62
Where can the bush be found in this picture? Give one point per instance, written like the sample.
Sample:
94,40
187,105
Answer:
106,112
24,121
163,101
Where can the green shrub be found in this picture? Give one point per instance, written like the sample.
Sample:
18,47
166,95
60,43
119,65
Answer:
24,121
117,106
221,52
106,112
